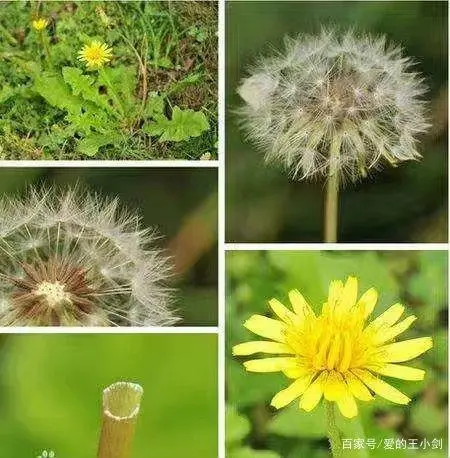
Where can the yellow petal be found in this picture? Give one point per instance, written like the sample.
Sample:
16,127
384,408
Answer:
387,318
368,301
381,388
293,391
357,388
349,293
334,293
405,350
250,348
347,406
269,364
281,311
312,395
296,371
299,304
384,335
334,386
266,327
402,372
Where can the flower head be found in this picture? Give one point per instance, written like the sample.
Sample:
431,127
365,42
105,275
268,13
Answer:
95,54
337,354
76,259
331,104
40,24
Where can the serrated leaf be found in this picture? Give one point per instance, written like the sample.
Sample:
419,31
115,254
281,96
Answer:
84,86
57,93
183,125
123,80
154,106
92,143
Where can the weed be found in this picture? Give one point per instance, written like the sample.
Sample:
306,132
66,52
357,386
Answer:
108,80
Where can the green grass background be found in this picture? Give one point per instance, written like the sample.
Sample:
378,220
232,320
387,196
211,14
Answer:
51,388
166,198
416,279
408,203
182,45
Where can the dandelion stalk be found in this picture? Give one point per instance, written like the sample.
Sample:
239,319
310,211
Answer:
332,193
331,208
46,48
121,403
334,434
111,91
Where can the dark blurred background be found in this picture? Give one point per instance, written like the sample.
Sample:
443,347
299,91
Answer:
408,203
180,202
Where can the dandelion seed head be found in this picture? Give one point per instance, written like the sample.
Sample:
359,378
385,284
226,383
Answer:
338,354
78,259
351,99
95,55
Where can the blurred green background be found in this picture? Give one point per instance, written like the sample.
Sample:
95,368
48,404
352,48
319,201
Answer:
416,279
51,389
180,202
408,203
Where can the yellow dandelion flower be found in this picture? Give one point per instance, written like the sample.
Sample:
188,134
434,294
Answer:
95,54
338,354
40,24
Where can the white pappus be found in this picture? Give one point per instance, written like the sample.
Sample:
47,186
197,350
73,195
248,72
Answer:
334,104
73,258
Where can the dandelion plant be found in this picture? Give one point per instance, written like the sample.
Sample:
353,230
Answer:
334,106
73,258
338,354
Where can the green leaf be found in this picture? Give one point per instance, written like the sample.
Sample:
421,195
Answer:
83,86
123,80
180,86
57,93
183,125
237,426
154,106
294,422
92,143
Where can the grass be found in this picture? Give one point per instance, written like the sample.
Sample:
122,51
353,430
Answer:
163,71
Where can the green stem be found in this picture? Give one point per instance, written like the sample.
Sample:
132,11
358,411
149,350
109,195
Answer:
112,92
332,193
46,48
333,432
331,208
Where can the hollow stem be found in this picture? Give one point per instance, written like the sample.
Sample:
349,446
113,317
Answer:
121,403
331,208
332,193
333,432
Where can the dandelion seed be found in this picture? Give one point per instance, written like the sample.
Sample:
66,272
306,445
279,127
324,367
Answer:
351,100
206,157
95,55
40,24
338,354
77,259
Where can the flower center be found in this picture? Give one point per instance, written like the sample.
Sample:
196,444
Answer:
53,293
